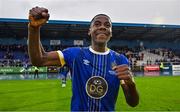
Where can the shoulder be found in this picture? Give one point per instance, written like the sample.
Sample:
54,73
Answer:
76,49
72,50
114,53
120,58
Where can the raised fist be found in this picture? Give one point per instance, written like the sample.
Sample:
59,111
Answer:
38,16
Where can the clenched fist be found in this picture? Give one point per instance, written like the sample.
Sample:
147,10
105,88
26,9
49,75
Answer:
124,73
38,16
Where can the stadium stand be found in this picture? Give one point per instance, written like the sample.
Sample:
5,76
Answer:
143,44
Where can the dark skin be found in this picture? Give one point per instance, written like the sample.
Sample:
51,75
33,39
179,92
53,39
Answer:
39,16
100,32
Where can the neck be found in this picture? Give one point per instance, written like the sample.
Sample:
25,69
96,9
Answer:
99,48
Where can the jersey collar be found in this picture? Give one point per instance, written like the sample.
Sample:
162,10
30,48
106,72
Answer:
99,53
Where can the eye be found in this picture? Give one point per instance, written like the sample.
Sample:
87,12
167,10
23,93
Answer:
107,25
97,23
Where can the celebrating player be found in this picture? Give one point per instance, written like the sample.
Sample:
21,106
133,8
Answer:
97,71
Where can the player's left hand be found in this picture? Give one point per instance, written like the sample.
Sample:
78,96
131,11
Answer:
124,73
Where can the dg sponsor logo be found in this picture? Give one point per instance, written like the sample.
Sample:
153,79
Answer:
96,87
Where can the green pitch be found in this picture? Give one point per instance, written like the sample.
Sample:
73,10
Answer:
156,94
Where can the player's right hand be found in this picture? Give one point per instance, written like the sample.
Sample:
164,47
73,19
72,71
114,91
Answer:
38,16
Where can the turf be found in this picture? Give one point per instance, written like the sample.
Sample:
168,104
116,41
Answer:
156,94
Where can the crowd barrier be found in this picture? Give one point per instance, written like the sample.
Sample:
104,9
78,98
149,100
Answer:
148,70
19,70
155,70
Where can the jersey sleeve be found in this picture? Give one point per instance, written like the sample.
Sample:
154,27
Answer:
68,55
123,59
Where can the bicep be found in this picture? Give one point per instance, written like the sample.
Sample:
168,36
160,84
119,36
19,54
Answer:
59,58
51,59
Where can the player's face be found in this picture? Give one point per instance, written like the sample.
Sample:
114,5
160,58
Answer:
100,30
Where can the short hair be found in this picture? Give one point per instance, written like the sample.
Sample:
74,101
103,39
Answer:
100,15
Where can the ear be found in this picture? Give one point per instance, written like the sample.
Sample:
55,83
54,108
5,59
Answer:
89,31
111,34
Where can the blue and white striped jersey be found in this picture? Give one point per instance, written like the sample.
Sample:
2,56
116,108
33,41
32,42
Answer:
94,84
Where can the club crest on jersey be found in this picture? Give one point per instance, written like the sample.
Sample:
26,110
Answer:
113,64
96,87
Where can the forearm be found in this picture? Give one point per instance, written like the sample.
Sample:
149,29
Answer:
130,92
42,48
38,17
34,46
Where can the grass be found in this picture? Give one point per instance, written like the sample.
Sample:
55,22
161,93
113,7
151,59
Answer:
156,94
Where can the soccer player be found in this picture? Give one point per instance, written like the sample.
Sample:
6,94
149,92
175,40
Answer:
25,69
63,71
36,72
97,71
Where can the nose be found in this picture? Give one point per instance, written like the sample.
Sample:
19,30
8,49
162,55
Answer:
103,28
